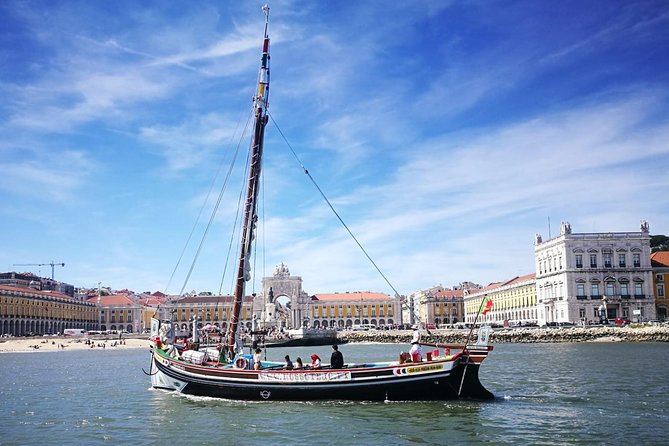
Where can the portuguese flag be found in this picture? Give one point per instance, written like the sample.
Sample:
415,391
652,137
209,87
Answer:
487,305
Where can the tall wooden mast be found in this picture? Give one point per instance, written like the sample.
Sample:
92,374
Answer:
260,105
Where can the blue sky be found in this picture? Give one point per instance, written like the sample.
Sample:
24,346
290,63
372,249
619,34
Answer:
446,134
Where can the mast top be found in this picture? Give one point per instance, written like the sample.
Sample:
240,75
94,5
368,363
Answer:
265,9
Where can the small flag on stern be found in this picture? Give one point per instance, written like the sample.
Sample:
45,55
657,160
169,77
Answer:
487,305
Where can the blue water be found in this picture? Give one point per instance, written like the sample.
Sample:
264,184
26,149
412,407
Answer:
588,393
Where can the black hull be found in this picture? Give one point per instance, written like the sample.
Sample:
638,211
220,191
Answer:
371,385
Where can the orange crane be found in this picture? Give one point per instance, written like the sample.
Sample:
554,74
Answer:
52,264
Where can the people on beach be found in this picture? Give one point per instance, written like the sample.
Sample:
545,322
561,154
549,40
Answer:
289,363
336,359
315,361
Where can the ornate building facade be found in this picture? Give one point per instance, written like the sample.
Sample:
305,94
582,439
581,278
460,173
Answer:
514,302
119,313
579,275
25,311
344,310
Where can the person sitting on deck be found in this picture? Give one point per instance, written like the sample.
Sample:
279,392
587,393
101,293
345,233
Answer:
315,361
337,359
416,350
289,363
298,363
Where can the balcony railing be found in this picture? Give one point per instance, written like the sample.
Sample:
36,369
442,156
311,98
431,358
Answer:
639,296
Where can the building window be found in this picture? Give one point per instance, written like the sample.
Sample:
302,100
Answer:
624,290
593,260
659,277
607,260
621,260
610,290
660,290
579,260
594,290
580,290
637,260
638,289
581,313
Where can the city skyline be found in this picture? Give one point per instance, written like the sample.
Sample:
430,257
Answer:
446,135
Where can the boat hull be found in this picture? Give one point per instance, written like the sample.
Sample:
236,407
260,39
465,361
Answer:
436,380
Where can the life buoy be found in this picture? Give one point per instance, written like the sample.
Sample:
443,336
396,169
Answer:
241,363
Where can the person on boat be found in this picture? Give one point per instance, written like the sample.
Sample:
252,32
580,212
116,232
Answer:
289,363
416,349
298,363
257,358
337,359
315,361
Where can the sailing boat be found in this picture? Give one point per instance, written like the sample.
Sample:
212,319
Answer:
449,373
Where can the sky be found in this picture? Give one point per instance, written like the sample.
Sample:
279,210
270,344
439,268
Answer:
445,134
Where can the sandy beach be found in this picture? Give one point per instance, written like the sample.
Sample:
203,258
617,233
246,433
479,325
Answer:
52,344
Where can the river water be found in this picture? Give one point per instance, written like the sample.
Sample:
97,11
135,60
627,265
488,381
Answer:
583,393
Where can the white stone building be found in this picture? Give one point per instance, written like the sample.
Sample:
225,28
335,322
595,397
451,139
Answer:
579,275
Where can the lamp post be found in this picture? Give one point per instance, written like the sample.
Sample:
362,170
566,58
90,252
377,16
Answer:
99,308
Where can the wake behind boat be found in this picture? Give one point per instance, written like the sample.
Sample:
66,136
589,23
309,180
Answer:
222,370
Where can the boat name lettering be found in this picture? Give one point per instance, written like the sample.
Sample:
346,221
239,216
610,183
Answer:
424,368
305,377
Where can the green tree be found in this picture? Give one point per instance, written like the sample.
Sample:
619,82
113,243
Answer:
659,243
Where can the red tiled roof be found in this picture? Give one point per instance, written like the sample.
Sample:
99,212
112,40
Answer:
152,302
520,279
449,293
659,258
210,299
357,295
113,300
23,289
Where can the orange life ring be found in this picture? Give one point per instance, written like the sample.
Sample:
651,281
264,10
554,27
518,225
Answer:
241,363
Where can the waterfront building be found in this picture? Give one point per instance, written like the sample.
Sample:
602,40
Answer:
118,313
514,302
580,274
343,310
442,306
214,310
660,263
25,310
416,309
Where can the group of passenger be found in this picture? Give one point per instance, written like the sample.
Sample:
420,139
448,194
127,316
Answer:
336,361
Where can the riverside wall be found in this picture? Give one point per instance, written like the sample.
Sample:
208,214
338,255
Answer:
652,333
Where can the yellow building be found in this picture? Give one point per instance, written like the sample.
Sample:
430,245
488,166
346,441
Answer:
660,263
214,310
514,302
118,313
343,310
25,311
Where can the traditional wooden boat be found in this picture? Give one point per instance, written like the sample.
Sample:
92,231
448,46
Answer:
449,373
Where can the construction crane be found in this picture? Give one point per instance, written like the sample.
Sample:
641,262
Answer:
52,265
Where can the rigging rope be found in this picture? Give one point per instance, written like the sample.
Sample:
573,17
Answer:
297,158
214,211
